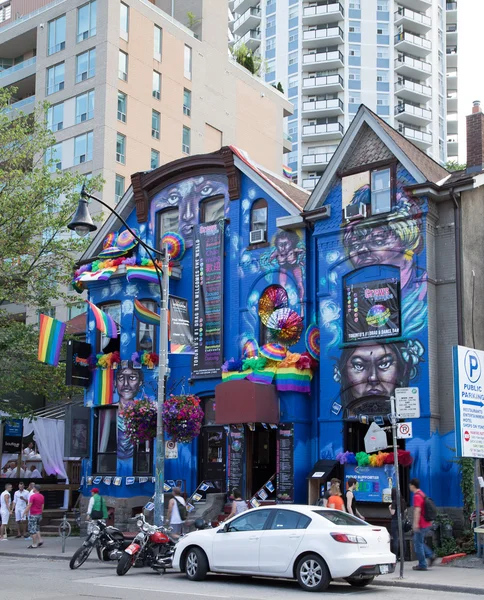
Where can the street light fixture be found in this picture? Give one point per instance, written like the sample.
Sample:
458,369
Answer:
82,224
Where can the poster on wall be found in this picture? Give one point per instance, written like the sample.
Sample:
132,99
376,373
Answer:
77,363
208,300
12,436
373,484
236,457
285,463
181,338
372,310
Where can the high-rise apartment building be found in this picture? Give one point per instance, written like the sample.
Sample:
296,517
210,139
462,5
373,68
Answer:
452,80
330,56
131,88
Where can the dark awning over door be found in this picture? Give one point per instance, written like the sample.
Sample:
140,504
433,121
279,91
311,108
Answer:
243,401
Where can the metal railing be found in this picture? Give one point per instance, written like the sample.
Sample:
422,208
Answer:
317,159
405,36
250,12
322,80
316,57
322,33
323,104
426,90
417,111
415,63
414,16
323,9
322,129
20,104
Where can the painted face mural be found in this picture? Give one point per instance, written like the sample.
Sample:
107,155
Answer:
187,195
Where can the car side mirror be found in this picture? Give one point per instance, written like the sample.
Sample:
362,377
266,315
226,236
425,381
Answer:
226,528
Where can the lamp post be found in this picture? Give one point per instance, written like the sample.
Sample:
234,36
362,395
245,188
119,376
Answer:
82,224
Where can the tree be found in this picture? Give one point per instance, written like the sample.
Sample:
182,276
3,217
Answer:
248,59
453,165
36,249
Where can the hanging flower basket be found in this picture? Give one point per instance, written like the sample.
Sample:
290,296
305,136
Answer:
140,420
182,417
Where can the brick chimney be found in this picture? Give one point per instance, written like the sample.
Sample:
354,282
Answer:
475,139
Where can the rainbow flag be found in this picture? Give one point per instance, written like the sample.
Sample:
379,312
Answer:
265,376
51,335
105,323
145,273
103,386
290,379
145,315
231,375
101,275
287,171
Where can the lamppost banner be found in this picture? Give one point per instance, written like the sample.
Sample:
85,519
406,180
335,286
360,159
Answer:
181,338
208,300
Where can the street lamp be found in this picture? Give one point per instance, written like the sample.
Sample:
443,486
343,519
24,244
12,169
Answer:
82,224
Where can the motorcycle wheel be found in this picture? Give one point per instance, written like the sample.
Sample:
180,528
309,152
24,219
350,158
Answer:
80,556
124,565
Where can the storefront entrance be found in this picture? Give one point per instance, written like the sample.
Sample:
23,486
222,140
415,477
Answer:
213,457
261,459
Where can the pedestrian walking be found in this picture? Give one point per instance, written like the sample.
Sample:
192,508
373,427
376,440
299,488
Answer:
20,501
177,512
96,509
5,511
335,499
395,545
421,528
239,505
323,501
34,511
350,499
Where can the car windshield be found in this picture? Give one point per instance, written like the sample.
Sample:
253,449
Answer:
339,517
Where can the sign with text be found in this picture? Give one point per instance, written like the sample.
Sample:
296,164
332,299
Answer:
469,401
12,436
407,403
236,471
372,310
285,463
372,483
181,338
208,300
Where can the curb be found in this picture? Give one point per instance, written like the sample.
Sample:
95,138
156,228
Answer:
437,587
47,556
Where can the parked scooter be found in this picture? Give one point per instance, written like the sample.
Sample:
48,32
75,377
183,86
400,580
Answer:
108,541
152,547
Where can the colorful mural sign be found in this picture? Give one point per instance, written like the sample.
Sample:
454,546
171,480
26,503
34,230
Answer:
373,484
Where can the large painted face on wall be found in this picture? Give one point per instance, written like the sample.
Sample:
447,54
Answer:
187,195
128,382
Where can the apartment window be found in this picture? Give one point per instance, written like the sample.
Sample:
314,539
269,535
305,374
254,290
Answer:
105,440
382,6
355,74
157,42
354,98
271,21
292,58
355,27
53,158
383,99
55,117
270,44
77,309
381,201
293,11
382,52
118,188
155,159
382,29
55,78
156,92
56,35
271,65
293,37
83,148
85,107
167,221
213,209
155,124
85,65
121,148
122,106
355,4
292,81
124,21
355,50
86,21
188,62
5,12
383,76
258,218
145,338
187,102
123,66
186,140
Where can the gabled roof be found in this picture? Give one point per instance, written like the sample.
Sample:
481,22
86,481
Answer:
420,165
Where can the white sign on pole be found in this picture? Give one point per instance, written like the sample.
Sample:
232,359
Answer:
404,431
171,449
469,401
375,439
407,403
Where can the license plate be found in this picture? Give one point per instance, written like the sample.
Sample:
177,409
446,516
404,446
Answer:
384,569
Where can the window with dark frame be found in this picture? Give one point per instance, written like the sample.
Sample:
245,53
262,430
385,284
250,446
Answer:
167,221
105,440
143,458
113,309
146,334
212,209
381,192
258,218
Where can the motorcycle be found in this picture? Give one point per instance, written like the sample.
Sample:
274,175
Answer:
152,547
108,541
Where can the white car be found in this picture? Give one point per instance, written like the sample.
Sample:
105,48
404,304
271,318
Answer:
311,544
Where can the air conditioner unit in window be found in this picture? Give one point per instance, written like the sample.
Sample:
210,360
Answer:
355,211
257,236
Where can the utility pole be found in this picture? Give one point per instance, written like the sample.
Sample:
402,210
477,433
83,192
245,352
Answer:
397,475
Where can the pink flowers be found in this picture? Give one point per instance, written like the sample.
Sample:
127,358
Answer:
140,420
183,417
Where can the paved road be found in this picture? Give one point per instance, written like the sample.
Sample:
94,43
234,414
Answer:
43,579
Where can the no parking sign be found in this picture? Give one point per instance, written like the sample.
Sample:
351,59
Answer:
404,431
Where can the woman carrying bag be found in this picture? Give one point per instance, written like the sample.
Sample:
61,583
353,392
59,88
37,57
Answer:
97,506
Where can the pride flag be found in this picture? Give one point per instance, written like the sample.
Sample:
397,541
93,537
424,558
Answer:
290,379
102,275
144,273
104,322
103,386
287,171
145,315
51,335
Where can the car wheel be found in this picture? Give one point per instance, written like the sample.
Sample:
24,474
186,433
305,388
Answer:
196,564
312,573
359,582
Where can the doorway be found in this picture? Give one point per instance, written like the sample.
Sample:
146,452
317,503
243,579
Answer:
261,458
213,457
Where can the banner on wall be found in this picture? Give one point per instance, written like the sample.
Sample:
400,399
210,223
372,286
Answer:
77,363
181,338
12,436
285,463
372,310
236,470
373,484
208,241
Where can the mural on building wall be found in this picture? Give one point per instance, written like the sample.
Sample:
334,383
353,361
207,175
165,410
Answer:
187,195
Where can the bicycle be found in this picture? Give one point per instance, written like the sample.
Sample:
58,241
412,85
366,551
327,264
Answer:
64,531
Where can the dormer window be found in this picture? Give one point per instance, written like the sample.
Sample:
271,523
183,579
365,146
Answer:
367,193
381,196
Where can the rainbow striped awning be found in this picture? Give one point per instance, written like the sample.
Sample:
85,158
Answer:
51,335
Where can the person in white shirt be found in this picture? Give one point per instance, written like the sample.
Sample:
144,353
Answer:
34,473
5,510
30,489
30,449
176,517
12,473
20,501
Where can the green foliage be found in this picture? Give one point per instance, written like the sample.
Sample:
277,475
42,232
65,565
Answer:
193,20
453,165
280,88
248,59
447,547
466,469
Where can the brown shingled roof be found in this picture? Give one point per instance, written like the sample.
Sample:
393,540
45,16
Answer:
297,194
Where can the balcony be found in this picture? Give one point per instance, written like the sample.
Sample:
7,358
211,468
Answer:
413,44
452,123
326,60
324,131
20,71
323,13
286,143
240,6
451,52
251,39
326,83
318,108
25,106
414,115
407,66
415,92
452,100
422,139
451,11
451,77
310,183
249,20
417,5
415,21
324,36
452,145
310,161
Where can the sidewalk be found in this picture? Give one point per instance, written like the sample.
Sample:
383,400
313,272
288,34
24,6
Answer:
465,576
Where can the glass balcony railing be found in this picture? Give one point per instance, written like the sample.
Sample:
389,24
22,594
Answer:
18,67
20,104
